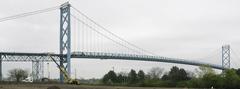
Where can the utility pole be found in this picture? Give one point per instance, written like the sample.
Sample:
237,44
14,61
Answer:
75,73
113,68
48,70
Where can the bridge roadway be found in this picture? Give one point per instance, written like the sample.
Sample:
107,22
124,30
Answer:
24,57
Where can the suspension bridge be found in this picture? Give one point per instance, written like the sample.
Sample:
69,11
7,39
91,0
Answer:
93,43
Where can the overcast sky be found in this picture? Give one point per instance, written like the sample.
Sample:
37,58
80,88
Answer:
191,29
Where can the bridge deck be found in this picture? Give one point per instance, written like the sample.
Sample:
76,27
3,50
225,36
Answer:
24,57
27,57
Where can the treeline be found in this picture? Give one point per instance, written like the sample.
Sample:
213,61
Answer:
229,79
205,77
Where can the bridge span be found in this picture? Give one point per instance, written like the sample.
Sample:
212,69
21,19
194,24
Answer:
45,57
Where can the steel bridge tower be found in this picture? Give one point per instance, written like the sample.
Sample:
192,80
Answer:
65,39
226,56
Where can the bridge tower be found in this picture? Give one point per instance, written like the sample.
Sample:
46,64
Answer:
65,39
226,56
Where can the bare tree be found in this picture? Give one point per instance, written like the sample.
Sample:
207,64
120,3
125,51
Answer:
17,74
155,73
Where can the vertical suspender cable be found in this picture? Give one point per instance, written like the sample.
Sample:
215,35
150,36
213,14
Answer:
128,43
82,37
74,34
104,35
77,33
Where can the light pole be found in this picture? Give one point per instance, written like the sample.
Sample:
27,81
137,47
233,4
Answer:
48,71
113,68
75,73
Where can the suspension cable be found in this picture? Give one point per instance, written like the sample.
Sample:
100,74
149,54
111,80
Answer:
28,13
112,33
235,54
103,34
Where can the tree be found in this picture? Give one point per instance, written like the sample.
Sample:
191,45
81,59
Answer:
132,76
105,79
141,76
191,74
110,77
122,77
17,74
165,77
176,74
238,72
205,70
231,79
211,80
183,75
155,73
